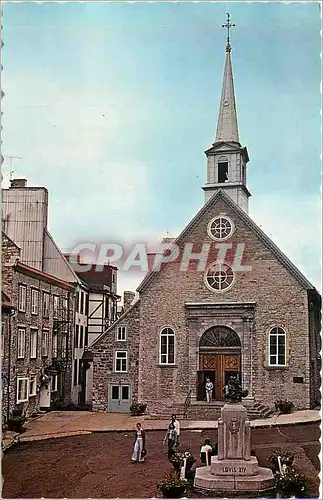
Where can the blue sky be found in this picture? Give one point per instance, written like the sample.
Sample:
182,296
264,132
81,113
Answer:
112,105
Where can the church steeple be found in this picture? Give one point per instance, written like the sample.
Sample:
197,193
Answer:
227,159
227,129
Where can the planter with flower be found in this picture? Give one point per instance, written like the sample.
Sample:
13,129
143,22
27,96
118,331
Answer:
284,406
17,419
286,458
177,461
137,409
172,487
290,484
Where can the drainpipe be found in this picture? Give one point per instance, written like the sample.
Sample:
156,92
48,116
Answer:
12,312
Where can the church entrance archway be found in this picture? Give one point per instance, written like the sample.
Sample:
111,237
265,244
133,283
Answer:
219,358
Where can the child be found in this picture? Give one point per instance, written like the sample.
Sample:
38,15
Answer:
205,453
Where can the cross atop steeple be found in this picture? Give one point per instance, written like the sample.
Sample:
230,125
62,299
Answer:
228,26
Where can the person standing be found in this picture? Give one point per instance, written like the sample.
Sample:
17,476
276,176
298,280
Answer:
206,452
171,438
139,445
177,428
208,390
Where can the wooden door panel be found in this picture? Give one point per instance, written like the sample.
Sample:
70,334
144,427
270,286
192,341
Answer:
222,366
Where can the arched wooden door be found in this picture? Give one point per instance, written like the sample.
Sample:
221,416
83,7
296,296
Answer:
219,358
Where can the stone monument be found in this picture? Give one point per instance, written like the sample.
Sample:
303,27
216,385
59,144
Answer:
234,471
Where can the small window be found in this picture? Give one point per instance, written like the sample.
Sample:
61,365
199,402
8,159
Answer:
21,343
76,341
22,298
223,168
65,307
22,389
64,344
219,277
121,361
80,372
121,333
167,347
86,337
106,307
44,343
2,340
81,335
77,302
34,301
220,228
115,392
55,345
54,383
46,305
33,386
33,344
75,372
277,347
113,278
243,174
55,306
125,392
81,302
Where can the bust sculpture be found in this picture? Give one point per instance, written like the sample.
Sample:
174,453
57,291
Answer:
233,391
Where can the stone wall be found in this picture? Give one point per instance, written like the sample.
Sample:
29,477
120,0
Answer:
275,298
103,360
280,301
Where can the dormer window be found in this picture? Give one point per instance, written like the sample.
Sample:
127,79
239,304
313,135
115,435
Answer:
223,168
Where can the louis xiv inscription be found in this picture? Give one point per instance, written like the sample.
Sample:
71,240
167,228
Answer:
233,470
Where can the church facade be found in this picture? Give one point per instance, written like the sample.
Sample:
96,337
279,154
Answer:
230,303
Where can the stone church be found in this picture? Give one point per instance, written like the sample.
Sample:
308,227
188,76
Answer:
235,305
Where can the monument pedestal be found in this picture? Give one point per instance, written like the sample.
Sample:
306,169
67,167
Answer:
233,471
238,466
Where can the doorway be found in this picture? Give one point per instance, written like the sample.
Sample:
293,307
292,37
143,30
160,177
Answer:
119,398
45,395
219,358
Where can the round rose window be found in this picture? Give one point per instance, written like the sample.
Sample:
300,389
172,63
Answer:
220,228
219,277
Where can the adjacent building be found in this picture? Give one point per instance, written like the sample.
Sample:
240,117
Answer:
24,221
37,336
231,303
96,310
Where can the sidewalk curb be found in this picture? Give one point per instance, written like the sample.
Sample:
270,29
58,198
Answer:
45,437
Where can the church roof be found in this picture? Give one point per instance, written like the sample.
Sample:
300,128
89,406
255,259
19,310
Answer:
221,194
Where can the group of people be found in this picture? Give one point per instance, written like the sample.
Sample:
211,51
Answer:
172,436
139,450
172,440
232,389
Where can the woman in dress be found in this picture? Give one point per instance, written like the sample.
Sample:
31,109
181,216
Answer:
139,445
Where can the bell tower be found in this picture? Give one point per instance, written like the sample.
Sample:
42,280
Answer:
227,159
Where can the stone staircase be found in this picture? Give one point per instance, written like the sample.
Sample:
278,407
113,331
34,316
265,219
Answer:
259,410
200,410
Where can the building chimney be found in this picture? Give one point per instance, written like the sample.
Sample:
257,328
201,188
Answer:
18,183
128,299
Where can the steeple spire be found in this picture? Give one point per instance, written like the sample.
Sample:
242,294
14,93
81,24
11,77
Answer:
227,129
227,159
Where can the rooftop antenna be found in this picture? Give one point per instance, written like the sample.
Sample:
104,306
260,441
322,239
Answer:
11,158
